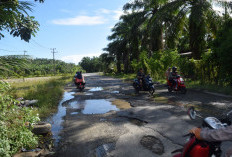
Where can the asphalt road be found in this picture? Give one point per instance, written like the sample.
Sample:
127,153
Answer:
147,127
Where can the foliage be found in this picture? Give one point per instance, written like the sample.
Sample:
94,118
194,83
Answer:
47,92
157,64
11,66
14,131
92,64
16,20
222,53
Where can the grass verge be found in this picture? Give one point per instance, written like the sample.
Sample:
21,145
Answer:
210,87
47,92
127,77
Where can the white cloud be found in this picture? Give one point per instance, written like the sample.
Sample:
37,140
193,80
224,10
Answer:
77,58
80,20
104,11
118,13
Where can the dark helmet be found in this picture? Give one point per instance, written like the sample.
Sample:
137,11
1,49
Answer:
174,69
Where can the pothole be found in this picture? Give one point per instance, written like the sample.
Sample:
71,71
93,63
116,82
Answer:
152,143
93,106
105,149
137,122
74,113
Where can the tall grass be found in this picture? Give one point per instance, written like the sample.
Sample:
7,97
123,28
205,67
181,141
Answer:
47,92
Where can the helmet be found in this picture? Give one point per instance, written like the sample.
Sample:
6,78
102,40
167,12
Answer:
174,69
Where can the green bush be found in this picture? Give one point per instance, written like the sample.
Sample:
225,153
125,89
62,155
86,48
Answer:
15,131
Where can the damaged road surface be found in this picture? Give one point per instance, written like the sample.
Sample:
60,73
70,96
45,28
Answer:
108,119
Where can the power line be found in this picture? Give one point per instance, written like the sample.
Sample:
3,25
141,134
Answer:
10,50
39,44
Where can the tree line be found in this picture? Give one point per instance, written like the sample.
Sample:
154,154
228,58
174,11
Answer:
16,66
156,34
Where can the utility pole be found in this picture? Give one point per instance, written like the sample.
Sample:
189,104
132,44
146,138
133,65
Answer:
24,53
53,52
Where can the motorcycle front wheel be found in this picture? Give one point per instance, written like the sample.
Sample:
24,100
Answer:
183,90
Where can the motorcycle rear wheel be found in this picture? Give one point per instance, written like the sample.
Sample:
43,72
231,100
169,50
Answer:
151,91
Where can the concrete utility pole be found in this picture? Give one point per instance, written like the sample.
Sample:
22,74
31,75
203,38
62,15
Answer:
53,51
24,53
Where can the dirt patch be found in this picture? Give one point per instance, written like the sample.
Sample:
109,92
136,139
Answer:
162,100
121,104
152,143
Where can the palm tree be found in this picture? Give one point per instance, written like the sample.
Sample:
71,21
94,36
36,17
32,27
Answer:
152,26
197,16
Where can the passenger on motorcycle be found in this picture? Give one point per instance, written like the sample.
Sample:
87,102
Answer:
173,77
140,77
168,73
223,134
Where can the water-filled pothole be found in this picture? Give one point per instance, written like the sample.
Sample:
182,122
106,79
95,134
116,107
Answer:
95,106
96,89
57,119
152,143
105,149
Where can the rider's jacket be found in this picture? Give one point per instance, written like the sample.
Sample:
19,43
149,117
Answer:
224,134
173,75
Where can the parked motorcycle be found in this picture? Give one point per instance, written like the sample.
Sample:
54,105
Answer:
200,148
147,85
180,85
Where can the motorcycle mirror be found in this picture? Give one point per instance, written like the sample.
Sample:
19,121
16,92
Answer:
192,113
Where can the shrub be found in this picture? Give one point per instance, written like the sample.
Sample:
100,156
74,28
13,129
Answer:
14,131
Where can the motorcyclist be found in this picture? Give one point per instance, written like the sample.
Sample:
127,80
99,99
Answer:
223,134
140,77
79,77
173,77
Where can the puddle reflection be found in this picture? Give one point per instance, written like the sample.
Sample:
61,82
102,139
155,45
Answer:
96,89
100,106
56,120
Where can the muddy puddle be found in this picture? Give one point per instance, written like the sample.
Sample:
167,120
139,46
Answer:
76,107
94,106
57,119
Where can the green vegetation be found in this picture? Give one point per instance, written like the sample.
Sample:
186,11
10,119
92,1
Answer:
15,124
28,67
155,35
16,20
47,92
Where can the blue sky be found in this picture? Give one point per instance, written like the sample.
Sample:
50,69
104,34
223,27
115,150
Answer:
76,28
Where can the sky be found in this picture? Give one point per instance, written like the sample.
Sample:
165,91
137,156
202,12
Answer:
76,28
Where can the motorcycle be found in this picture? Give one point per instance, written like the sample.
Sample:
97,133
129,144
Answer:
147,85
180,85
80,84
197,148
